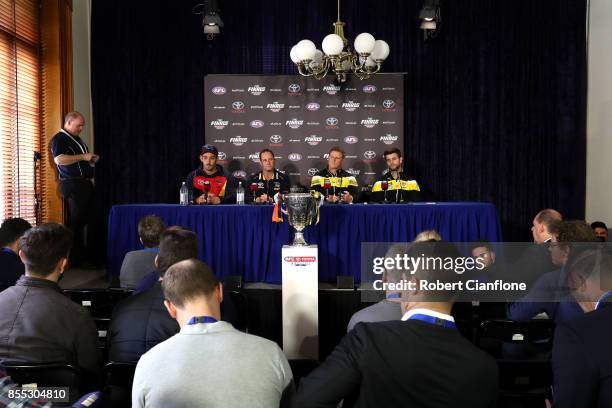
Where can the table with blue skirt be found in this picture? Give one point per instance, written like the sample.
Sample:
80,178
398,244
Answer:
243,240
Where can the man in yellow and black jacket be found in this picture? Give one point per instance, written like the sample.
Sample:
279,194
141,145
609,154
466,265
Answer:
400,186
335,184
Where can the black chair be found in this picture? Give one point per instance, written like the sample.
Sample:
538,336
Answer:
530,339
237,310
118,379
100,302
524,383
51,375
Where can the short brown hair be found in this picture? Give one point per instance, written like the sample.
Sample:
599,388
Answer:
573,231
392,151
337,149
266,151
149,230
175,245
188,279
42,247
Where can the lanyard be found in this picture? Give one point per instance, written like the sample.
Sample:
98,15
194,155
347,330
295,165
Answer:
202,319
434,320
82,147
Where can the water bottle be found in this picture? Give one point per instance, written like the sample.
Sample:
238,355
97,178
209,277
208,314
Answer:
184,194
240,194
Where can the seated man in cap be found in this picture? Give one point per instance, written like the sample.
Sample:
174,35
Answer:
209,184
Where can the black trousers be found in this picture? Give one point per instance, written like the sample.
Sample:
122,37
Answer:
79,196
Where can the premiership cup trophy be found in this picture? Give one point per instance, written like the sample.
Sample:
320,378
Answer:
302,210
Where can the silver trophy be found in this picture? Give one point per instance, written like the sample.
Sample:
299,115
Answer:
302,210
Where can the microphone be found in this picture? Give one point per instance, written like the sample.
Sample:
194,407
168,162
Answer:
326,186
384,185
254,189
202,184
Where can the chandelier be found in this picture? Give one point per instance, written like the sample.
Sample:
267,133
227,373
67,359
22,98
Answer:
337,55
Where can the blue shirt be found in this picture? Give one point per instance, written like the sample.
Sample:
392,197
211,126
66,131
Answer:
71,145
549,295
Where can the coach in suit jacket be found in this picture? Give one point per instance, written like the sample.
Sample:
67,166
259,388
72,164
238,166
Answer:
582,361
420,360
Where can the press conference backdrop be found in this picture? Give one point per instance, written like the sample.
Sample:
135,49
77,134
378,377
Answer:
300,119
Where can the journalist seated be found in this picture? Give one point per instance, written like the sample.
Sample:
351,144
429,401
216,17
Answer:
38,323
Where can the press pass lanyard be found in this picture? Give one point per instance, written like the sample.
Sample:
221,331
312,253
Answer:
202,319
433,320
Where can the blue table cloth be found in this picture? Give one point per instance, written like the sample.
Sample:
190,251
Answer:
242,240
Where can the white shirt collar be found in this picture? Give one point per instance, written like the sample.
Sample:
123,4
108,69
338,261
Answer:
427,312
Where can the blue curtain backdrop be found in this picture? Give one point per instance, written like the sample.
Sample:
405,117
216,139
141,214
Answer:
495,106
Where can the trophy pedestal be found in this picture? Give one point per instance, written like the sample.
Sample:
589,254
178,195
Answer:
300,302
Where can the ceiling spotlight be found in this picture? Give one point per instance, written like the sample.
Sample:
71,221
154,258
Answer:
211,21
430,18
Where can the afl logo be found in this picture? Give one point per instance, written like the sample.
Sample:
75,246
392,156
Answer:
257,124
294,88
295,157
369,89
369,155
313,106
218,90
351,140
237,105
240,174
222,156
276,139
312,171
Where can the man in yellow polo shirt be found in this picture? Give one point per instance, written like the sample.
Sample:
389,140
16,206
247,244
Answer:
334,183
400,187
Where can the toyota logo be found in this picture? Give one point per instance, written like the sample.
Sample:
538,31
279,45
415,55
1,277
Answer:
237,105
312,171
388,104
276,139
369,155
294,88
331,121
221,156
218,90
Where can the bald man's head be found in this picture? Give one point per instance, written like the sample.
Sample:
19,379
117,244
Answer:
542,223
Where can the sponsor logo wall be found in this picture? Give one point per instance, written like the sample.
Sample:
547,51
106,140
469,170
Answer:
300,119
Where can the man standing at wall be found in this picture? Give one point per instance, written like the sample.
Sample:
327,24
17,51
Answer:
75,165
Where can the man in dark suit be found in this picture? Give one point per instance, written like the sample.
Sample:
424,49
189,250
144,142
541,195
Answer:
582,361
420,360
141,321
38,323
11,267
